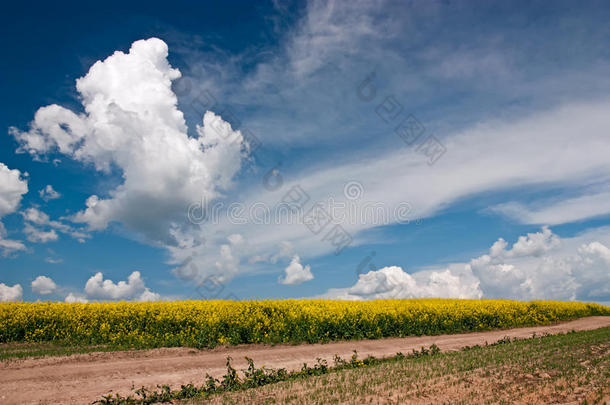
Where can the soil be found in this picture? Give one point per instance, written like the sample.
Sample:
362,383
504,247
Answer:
84,378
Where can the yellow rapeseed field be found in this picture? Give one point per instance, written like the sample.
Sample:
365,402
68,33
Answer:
210,323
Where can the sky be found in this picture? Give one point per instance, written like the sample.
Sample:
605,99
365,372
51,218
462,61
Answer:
346,150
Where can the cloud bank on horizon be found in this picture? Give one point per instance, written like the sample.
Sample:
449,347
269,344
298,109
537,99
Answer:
537,265
544,159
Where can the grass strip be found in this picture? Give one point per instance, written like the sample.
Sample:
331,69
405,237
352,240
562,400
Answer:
508,363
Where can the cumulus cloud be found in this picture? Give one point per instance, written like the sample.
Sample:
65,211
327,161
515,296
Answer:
533,244
37,235
128,103
8,246
393,282
37,221
592,265
295,273
221,258
12,187
596,249
132,289
75,298
528,270
539,265
131,121
228,261
148,296
43,285
8,294
543,266
48,193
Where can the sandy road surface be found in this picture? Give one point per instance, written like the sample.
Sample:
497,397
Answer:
83,378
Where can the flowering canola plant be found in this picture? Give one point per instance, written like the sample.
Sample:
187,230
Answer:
210,323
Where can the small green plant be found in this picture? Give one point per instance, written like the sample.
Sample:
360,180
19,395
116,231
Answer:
252,377
230,380
432,351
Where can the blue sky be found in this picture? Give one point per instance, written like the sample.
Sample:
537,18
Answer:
472,135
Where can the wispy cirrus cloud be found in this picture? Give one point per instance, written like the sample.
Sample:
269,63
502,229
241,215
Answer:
509,116
558,211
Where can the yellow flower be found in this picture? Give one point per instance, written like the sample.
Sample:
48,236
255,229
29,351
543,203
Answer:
207,323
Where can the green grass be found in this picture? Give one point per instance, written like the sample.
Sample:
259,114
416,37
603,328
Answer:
559,368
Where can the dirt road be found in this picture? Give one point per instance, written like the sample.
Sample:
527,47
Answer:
83,378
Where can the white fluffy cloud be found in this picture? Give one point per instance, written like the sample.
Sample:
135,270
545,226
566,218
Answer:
490,157
48,193
8,294
229,258
296,273
43,285
98,289
8,246
12,188
131,120
75,298
539,265
542,265
529,270
221,257
534,244
393,282
37,221
133,289
37,235
596,249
